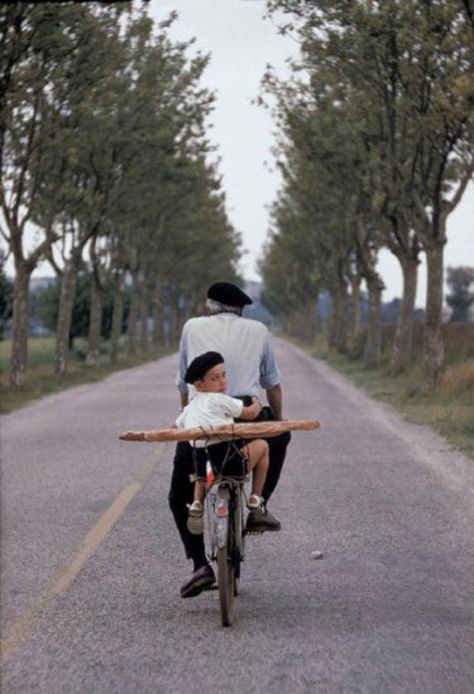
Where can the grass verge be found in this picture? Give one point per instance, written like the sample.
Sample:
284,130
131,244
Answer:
41,380
449,411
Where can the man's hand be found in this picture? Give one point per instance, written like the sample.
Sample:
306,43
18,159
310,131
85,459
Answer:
275,400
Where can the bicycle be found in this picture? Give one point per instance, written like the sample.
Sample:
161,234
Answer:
224,502
226,538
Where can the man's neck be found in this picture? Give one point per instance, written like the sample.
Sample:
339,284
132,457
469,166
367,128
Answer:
235,312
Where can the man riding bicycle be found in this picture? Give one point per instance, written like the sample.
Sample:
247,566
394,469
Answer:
250,362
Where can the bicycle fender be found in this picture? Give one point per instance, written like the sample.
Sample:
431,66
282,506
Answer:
222,517
222,525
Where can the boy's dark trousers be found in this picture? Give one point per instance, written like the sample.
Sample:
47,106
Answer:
182,489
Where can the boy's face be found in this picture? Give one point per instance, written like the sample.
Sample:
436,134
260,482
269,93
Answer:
214,381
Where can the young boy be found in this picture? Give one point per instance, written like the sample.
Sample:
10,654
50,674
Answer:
211,406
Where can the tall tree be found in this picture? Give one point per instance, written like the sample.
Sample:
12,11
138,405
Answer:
407,69
39,43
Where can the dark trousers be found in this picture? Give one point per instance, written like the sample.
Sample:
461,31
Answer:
182,489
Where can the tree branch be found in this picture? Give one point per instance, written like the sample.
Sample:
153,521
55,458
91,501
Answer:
462,187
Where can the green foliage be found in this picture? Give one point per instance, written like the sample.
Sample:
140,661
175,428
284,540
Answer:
376,133
103,147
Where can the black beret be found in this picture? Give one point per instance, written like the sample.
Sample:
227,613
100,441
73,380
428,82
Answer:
228,294
199,366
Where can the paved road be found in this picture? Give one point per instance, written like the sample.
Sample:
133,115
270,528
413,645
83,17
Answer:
91,562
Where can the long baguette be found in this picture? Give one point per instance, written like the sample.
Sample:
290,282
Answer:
244,430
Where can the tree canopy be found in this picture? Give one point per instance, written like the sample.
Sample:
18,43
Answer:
376,147
104,151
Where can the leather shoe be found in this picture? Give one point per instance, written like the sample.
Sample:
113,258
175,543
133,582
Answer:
261,521
202,579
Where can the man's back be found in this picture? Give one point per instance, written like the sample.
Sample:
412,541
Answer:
244,344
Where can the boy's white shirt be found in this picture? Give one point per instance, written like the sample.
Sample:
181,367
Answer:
208,409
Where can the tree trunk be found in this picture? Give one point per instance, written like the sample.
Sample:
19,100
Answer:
158,336
144,319
133,316
19,353
180,320
403,342
95,323
433,346
117,318
178,326
334,313
174,331
309,319
317,316
355,313
66,304
338,320
373,343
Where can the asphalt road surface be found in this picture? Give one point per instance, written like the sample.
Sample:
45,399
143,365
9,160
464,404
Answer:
92,563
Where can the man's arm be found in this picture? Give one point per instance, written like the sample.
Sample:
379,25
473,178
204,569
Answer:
182,366
275,400
270,378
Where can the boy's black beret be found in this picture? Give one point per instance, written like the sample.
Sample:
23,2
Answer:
201,365
228,294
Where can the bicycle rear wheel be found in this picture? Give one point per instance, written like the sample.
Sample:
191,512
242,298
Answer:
225,580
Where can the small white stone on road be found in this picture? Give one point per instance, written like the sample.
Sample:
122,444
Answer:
316,554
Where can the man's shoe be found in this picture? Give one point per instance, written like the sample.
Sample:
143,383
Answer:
261,521
202,579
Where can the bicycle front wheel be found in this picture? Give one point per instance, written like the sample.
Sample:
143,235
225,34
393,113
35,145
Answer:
225,579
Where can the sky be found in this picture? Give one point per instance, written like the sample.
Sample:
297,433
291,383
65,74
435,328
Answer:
241,43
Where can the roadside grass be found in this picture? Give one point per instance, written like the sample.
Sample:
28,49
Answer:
449,410
41,379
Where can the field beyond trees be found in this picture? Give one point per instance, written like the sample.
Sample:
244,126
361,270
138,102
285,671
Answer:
43,381
449,409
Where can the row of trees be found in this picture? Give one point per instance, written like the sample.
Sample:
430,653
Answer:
103,152
375,150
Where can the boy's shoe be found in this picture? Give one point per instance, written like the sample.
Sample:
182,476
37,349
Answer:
202,579
195,521
254,502
261,521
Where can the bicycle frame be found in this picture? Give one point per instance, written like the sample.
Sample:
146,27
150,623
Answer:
225,508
